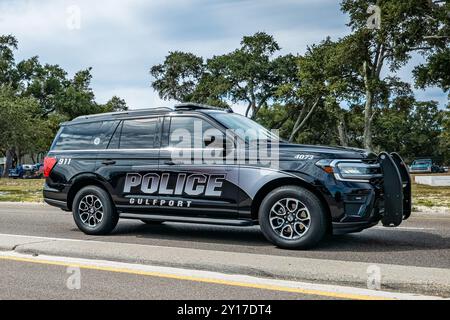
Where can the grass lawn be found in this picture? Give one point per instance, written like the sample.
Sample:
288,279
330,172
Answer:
21,190
429,196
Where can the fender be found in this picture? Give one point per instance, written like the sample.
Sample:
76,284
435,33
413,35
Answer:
83,178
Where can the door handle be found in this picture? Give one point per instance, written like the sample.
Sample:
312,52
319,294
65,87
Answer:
169,163
108,162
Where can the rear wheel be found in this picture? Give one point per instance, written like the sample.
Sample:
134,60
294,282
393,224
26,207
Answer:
292,217
94,212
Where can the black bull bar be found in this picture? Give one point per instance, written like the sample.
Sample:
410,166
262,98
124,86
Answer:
397,189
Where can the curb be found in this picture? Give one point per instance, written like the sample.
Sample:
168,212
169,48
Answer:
429,281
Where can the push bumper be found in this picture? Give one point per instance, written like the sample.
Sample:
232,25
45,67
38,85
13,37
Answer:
397,189
386,198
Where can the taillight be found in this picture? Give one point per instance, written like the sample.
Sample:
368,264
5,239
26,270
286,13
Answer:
49,164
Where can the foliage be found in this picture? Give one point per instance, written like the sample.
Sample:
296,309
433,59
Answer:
250,74
406,27
35,98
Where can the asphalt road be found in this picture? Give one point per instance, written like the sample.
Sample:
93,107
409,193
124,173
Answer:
22,280
191,261
422,241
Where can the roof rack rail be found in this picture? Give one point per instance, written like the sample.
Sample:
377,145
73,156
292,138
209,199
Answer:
118,113
199,106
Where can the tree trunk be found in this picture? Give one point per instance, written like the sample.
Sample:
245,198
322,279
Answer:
368,110
342,130
368,121
254,111
248,109
8,164
298,126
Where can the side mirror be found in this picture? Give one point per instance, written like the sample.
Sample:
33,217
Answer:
209,140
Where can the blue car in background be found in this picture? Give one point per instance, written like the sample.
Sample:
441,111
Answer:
17,172
425,166
27,171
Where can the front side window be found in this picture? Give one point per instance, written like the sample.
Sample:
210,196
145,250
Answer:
138,134
244,127
192,132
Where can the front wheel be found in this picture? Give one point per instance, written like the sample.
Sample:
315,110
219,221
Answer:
292,217
94,212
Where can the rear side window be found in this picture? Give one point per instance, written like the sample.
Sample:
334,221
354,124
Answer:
138,134
85,136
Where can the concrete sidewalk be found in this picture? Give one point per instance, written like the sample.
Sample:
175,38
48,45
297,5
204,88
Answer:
430,281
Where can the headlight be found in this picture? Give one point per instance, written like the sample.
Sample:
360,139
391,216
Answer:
351,170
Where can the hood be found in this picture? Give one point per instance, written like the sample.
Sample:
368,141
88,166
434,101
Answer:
324,152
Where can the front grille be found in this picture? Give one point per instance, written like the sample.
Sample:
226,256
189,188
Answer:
370,161
377,183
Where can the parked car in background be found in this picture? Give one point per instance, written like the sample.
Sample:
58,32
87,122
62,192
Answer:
27,171
425,166
16,173
38,171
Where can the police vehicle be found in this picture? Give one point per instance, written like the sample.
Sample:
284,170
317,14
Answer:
140,165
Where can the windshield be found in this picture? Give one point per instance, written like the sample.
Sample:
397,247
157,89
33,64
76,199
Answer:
422,162
244,127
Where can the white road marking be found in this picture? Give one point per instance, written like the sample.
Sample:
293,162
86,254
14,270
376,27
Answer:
49,238
402,228
215,277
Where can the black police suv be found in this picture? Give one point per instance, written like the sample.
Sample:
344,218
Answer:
161,165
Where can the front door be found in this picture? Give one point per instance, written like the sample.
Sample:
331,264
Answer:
193,179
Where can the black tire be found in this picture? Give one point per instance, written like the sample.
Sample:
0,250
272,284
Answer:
314,228
109,215
151,222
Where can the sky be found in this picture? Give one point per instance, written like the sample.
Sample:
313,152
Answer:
121,40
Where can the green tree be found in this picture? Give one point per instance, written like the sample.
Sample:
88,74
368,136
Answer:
406,27
19,127
250,74
178,76
114,104
8,73
445,136
322,83
45,83
435,72
35,98
410,127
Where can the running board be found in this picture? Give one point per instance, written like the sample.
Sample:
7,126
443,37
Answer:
171,218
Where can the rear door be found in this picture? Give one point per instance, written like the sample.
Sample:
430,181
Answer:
128,162
75,148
